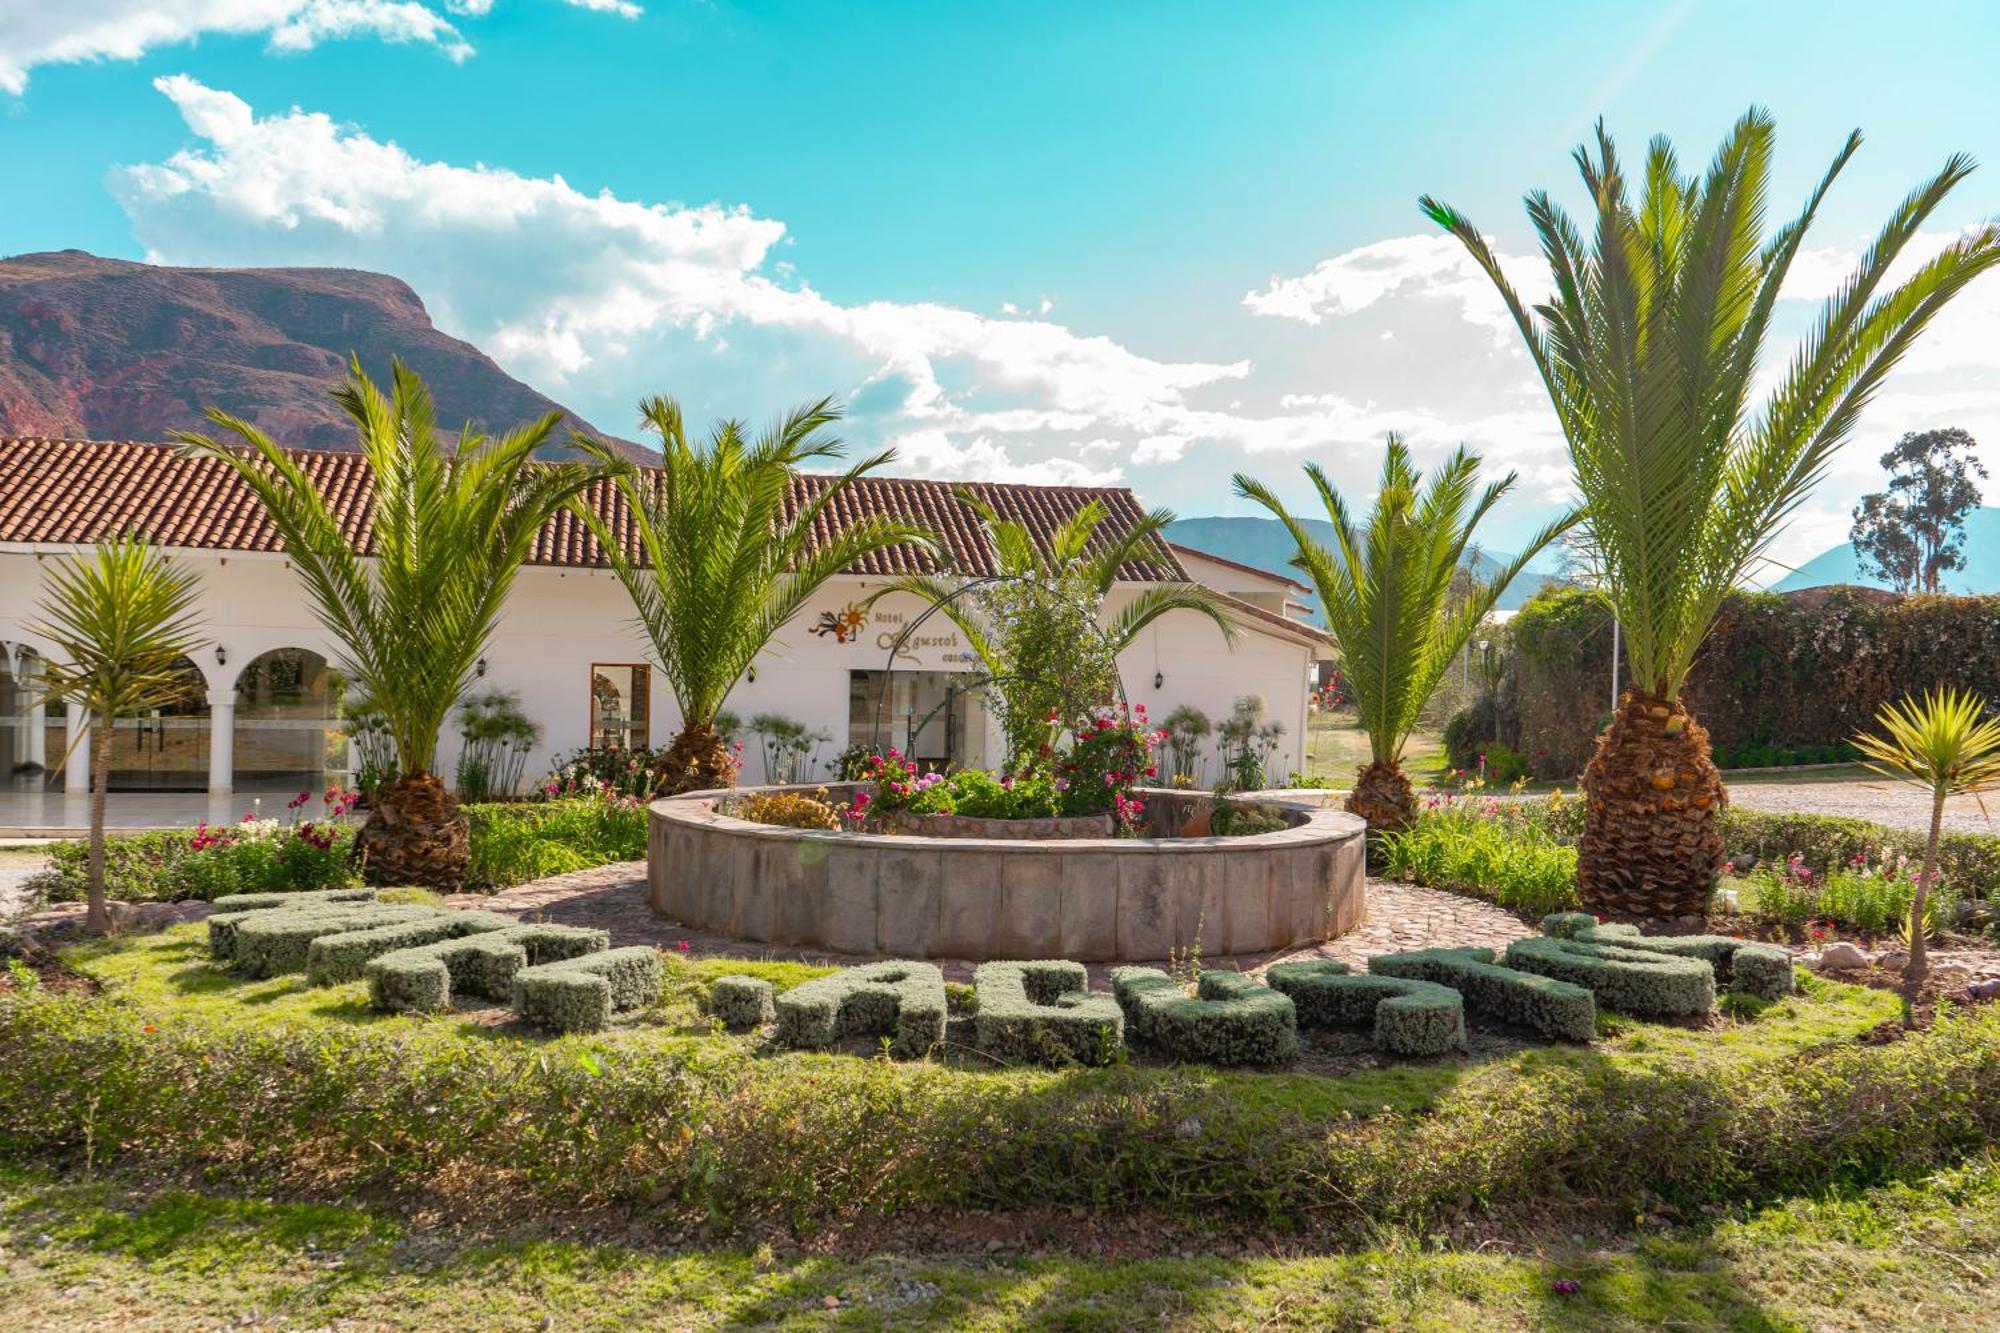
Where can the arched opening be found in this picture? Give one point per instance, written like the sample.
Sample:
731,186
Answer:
26,739
287,736
164,748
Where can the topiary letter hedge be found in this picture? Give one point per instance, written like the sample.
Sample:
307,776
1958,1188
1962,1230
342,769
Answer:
581,994
1406,1016
1229,1020
1632,981
901,1001
1545,1005
1045,1011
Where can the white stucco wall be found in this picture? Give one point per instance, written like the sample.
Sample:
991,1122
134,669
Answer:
559,622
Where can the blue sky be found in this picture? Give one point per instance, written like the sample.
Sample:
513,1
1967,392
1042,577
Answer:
1149,244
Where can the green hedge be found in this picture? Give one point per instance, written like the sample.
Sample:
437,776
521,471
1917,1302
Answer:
1543,1004
709,1134
484,964
582,994
898,1000
1229,1020
1747,967
1630,980
743,1002
173,865
1970,862
1406,1017
1046,1012
276,941
341,956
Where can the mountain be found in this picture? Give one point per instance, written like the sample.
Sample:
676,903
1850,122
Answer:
1263,542
106,349
1980,575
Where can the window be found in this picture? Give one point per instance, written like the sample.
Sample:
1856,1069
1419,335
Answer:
618,695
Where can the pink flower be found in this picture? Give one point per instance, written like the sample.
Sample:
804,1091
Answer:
684,946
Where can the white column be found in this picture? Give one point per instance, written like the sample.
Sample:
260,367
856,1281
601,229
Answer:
221,742
37,714
76,769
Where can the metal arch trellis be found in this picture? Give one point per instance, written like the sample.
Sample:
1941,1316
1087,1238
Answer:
985,679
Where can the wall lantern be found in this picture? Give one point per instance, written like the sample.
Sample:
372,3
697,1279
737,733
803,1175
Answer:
751,675
1159,679
479,667
221,655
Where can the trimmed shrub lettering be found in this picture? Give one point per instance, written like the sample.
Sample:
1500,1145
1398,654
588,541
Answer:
1406,1016
1045,1011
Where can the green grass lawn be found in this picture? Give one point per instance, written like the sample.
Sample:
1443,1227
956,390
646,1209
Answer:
75,1254
1336,747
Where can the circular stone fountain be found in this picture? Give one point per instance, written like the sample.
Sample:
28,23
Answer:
1085,899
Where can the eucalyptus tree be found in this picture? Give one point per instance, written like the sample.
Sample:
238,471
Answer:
1039,625
1650,346
1387,589
450,524
124,622
729,546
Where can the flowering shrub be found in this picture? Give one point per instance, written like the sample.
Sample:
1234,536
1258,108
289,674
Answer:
1871,893
788,809
1112,754
1499,850
581,773
254,855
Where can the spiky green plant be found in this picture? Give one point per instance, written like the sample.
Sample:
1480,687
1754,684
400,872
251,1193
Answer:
1386,589
123,622
1949,745
1649,347
450,525
1039,628
725,560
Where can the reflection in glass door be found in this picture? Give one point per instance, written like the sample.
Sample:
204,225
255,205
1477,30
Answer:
618,706
165,748
928,715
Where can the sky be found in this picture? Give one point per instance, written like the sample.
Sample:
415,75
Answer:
1126,244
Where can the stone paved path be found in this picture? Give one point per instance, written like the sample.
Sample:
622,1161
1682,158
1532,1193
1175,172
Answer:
1401,917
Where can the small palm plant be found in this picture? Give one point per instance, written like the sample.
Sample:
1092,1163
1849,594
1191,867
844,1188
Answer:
451,524
1947,745
1039,628
1387,591
125,622
725,558
1650,347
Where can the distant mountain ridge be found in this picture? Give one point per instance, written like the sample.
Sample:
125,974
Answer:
1265,543
1842,564
94,348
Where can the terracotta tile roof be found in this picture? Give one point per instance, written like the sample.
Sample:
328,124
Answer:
63,492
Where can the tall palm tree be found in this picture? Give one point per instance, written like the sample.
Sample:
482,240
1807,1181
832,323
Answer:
451,523
1648,347
1388,592
1039,630
125,621
722,564
1947,746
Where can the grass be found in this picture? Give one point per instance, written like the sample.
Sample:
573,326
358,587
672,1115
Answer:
1336,747
1919,1254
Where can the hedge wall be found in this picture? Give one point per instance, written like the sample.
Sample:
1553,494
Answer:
1789,670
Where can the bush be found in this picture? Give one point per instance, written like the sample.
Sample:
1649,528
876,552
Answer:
581,994
512,844
342,955
1406,1017
1967,862
273,942
1503,852
902,1001
483,964
1632,981
1748,968
743,1002
259,856
1229,1020
1545,1005
1244,819
787,809
1045,1012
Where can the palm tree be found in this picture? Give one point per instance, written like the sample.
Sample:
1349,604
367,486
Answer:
414,613
1038,627
723,564
1947,746
125,621
1648,347
1388,593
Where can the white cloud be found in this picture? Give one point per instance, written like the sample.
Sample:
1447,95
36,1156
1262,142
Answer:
49,32
1403,268
622,8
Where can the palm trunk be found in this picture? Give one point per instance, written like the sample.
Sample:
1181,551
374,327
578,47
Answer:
97,917
1383,796
698,760
1920,963
415,835
1651,846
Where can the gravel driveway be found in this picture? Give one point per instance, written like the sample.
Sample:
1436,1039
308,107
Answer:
1885,802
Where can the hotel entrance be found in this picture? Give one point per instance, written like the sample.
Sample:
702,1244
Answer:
934,717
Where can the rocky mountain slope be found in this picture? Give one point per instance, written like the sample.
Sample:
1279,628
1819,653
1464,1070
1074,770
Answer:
98,348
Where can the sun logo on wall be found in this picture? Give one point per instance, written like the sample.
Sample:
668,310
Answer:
844,625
